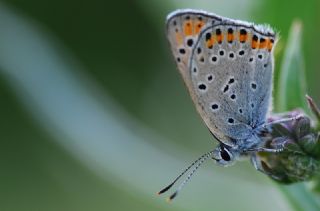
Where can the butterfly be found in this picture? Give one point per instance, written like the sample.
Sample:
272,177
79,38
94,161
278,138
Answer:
227,67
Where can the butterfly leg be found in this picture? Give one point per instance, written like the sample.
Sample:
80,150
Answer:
262,149
283,120
257,164
268,150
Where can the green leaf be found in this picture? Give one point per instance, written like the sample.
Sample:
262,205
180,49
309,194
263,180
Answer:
291,94
300,198
315,110
291,84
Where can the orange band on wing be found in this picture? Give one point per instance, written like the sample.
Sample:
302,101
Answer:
179,38
210,42
220,38
243,35
243,38
187,29
230,37
198,27
254,42
263,43
270,44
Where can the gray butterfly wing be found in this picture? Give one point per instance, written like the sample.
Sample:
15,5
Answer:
228,81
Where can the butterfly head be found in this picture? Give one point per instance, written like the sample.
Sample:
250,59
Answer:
225,156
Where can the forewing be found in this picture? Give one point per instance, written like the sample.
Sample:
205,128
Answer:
227,67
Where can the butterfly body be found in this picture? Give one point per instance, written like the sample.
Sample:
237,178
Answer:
227,67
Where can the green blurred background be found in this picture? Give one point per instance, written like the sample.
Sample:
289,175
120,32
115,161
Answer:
96,117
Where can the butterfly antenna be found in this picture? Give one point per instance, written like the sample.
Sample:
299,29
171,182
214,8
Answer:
199,161
178,177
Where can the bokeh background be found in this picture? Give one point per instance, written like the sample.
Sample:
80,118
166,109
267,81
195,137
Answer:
94,115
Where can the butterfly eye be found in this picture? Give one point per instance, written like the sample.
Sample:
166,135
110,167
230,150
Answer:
225,154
